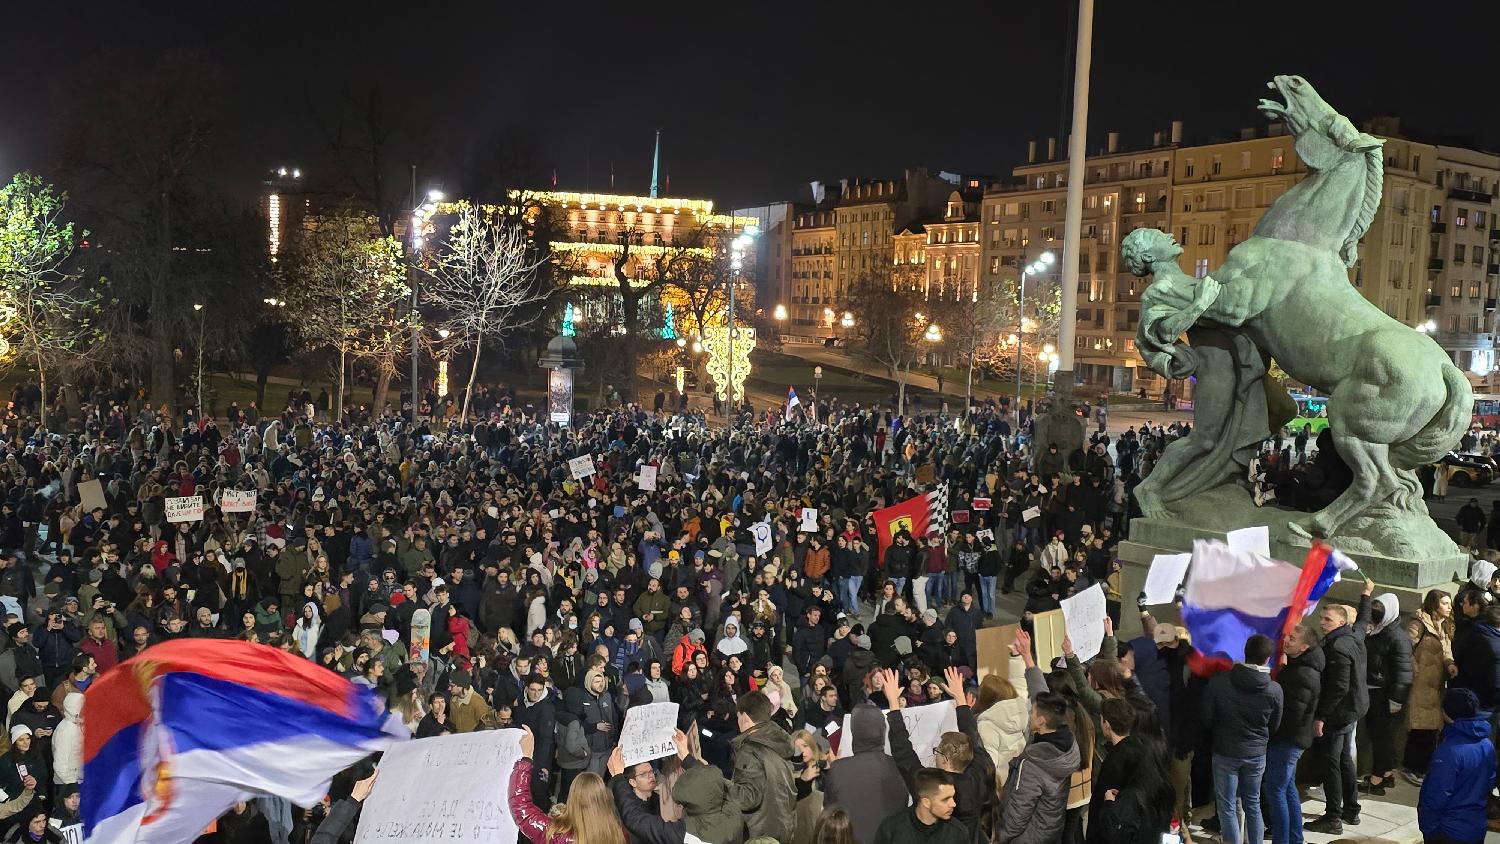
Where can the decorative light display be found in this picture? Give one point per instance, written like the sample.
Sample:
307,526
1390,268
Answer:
716,343
567,327
669,324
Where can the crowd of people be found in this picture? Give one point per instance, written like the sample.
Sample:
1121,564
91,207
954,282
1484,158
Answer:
467,577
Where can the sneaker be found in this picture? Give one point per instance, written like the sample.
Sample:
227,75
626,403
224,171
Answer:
1412,777
1327,823
1351,820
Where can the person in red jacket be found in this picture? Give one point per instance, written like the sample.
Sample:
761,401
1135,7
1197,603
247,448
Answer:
691,643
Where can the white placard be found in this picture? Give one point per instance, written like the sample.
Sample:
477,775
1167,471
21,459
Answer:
186,509
647,733
238,501
762,532
91,495
647,479
449,789
1030,513
1085,614
1164,576
924,724
581,467
809,520
1254,540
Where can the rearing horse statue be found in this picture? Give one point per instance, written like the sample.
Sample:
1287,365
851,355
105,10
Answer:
1397,401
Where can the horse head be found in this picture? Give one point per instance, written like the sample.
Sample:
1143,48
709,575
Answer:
1327,142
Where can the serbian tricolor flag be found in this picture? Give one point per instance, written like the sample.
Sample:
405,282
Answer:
791,401
1232,595
175,736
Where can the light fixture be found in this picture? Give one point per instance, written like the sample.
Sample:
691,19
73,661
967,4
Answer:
780,312
443,333
435,196
1047,348
681,342
197,307
934,334
697,347
848,320
1048,257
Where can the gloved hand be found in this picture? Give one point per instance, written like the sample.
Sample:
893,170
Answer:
1395,707
1140,601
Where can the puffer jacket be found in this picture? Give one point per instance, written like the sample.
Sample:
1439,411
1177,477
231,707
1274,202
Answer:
1301,682
67,741
531,820
1432,653
1004,727
1477,655
762,786
708,812
1458,782
1388,653
1036,791
1345,697
868,778
1244,707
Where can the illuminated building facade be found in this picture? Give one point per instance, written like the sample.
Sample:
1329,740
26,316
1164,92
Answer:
285,203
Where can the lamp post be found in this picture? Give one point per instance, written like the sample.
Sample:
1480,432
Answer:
199,308
817,379
419,217
1034,268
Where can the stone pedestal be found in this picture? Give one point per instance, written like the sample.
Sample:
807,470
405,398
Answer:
1213,514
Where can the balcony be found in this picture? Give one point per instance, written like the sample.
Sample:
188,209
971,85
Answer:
1435,264
1468,195
1489,304
1438,227
1434,300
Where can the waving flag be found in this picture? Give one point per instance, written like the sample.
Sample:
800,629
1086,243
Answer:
919,515
791,401
1320,570
1232,595
175,736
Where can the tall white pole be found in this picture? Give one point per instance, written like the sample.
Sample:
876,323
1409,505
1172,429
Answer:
1073,219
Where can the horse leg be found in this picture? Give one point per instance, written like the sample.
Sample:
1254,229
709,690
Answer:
1374,481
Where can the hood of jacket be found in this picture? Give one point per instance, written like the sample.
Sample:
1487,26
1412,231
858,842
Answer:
1247,680
1008,716
1392,611
1055,753
867,729
707,813
1468,730
1482,574
73,706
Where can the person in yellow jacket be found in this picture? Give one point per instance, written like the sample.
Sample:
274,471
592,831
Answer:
468,711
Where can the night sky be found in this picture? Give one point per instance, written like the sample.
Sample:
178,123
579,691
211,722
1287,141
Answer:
754,100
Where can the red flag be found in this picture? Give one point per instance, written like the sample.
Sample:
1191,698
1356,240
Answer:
912,515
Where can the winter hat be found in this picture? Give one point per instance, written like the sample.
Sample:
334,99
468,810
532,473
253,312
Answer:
14,629
696,636
929,615
1459,703
19,730
635,624
460,678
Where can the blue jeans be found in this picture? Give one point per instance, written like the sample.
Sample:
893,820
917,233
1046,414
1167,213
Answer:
987,594
935,590
1282,804
899,583
851,594
1238,781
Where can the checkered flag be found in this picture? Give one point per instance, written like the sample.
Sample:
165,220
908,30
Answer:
937,511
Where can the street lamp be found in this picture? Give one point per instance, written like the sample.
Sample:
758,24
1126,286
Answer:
817,378
1427,327
780,313
1045,260
419,218
199,308
934,334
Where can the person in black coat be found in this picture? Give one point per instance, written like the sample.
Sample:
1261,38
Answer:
1344,698
868,778
1388,674
809,641
1301,683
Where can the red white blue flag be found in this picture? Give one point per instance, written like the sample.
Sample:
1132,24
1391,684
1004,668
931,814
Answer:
175,736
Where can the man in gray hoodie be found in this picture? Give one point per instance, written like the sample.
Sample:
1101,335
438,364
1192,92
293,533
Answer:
1242,708
869,778
1036,790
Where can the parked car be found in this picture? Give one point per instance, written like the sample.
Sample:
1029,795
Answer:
1466,470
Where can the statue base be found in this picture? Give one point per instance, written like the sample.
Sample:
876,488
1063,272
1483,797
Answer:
1416,555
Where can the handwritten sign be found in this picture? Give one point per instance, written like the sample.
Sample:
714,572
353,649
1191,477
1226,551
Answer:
448,789
582,467
186,509
647,478
647,733
924,724
1164,576
238,501
1085,613
762,533
809,520
1030,513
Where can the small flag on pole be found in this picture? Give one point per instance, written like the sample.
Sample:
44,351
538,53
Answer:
791,401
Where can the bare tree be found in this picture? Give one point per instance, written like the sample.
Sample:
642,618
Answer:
888,329
485,281
47,311
346,289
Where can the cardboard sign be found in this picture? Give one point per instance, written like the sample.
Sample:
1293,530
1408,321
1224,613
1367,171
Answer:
647,732
91,494
1085,613
582,467
981,504
809,520
925,726
993,646
187,509
448,789
647,479
238,501
1047,632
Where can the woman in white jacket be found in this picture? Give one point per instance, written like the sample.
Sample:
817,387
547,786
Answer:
1003,706
67,742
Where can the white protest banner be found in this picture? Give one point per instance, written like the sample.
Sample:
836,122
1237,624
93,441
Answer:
581,467
809,520
1030,513
924,724
1084,614
186,509
449,789
1164,576
237,501
762,532
647,733
91,495
647,479
1254,540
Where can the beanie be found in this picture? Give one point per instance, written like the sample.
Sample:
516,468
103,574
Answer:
1459,704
